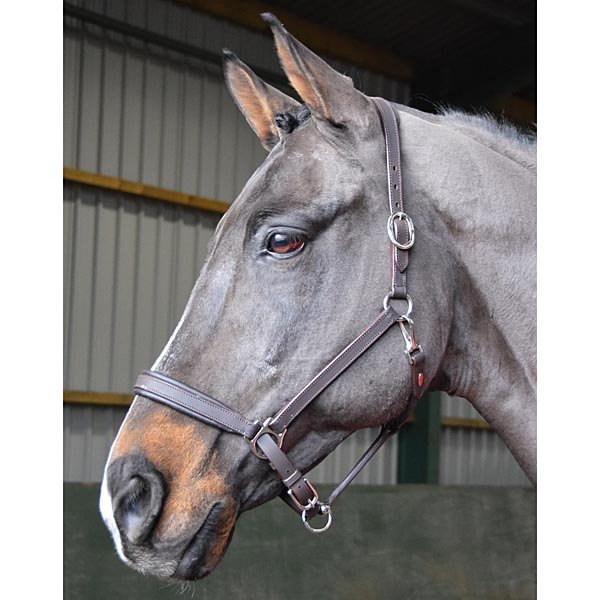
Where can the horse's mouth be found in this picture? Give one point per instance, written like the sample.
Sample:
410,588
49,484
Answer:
194,562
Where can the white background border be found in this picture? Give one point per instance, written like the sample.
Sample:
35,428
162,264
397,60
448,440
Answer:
569,303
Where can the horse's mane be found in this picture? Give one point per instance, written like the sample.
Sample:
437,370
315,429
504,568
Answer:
499,127
497,133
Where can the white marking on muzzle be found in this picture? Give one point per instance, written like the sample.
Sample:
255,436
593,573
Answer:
106,507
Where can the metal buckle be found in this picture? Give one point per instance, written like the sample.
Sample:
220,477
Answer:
401,216
265,429
324,509
311,503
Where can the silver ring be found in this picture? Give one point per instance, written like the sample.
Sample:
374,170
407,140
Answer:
324,509
402,216
388,297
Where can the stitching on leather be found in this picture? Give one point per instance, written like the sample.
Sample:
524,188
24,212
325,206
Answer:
337,360
400,258
191,407
200,399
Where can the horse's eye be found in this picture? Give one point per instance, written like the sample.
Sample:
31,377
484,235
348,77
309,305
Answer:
284,245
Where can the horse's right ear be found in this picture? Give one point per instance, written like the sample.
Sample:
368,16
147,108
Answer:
329,95
258,101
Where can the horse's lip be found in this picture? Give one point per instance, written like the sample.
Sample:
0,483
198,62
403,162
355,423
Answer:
191,564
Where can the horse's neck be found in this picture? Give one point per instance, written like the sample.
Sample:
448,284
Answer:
480,206
483,365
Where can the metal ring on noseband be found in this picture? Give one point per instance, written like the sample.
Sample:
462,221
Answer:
389,296
324,509
402,216
265,429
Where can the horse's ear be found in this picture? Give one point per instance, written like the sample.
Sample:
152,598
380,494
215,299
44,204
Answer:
327,93
258,101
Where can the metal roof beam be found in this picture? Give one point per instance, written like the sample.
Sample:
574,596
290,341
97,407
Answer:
319,38
492,11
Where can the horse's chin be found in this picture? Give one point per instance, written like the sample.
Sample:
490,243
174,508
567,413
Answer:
209,544
205,549
188,560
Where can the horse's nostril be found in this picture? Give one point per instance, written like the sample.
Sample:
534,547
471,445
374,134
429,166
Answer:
135,506
138,492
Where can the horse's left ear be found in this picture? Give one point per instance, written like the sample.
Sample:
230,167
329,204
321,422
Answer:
327,93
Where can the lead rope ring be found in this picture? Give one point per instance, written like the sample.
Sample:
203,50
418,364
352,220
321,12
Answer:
324,509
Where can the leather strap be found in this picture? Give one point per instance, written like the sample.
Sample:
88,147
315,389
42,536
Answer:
291,477
334,369
196,404
417,367
387,431
396,204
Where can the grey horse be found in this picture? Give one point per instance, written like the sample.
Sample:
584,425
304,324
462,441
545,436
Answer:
297,267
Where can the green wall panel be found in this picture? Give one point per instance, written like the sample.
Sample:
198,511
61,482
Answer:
417,542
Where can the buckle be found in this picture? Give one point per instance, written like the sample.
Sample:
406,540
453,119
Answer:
401,216
322,509
311,503
265,429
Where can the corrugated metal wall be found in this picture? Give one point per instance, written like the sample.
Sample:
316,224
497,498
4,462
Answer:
143,113
130,265
474,456
139,112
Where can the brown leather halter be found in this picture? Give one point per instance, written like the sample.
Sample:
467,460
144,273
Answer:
266,439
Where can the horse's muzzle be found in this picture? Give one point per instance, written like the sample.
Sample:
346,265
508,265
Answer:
139,501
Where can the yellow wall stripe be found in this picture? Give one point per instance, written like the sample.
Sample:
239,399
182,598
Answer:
96,398
141,189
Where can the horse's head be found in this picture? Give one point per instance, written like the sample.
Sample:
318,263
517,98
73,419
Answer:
297,267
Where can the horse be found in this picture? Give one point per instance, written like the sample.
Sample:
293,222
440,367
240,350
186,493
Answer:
296,265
